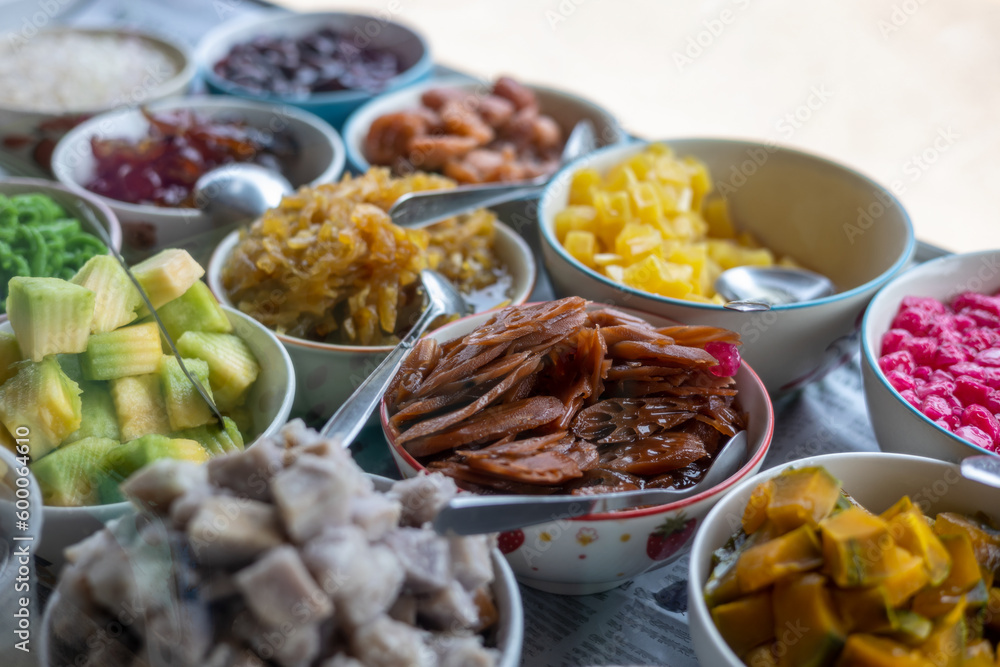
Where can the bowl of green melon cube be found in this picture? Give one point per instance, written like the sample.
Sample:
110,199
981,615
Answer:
91,389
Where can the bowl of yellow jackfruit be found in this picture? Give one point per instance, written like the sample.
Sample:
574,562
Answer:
651,226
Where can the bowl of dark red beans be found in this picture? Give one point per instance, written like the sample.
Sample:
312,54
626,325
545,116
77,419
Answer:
144,163
328,63
931,358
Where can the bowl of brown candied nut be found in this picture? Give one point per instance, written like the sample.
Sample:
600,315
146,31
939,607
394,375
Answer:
286,553
472,131
572,397
337,281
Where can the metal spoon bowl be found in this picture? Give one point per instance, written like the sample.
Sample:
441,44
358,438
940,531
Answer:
759,288
442,299
235,193
467,514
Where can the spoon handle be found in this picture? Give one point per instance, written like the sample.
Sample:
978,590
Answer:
469,515
418,209
352,415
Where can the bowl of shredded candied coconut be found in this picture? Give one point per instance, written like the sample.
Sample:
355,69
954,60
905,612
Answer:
55,79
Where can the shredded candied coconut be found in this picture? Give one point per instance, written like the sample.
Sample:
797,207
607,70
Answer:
60,72
329,265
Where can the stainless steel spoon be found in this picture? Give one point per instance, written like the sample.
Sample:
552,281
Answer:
351,417
235,193
982,468
468,514
419,209
749,288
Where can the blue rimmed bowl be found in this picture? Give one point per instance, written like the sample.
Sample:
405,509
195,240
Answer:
378,31
899,425
828,217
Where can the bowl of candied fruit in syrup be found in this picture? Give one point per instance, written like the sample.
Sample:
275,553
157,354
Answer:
931,358
472,131
573,397
652,226
328,63
144,163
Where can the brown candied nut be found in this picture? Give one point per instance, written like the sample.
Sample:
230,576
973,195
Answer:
426,152
520,129
547,133
518,93
435,98
389,136
480,166
459,119
495,110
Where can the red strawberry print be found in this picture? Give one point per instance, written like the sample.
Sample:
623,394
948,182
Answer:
666,540
510,541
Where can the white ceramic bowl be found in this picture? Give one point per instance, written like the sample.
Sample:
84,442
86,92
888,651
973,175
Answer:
899,426
595,553
875,479
270,401
565,108
828,217
327,374
509,633
32,134
334,107
148,229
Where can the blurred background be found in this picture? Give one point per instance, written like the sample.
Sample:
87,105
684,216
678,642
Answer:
905,91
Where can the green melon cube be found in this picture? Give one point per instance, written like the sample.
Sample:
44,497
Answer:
132,456
42,400
133,350
49,315
116,296
217,440
98,411
167,275
71,475
10,354
232,366
195,310
185,406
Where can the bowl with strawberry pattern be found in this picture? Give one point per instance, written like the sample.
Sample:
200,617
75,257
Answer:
931,358
598,552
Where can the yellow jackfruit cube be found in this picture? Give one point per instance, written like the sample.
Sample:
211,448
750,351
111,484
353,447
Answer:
637,240
606,258
581,245
653,274
720,225
694,255
614,211
685,226
575,218
640,164
580,186
700,180
620,177
646,203
616,272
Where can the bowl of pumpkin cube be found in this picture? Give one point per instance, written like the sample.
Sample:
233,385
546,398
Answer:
91,390
651,226
861,558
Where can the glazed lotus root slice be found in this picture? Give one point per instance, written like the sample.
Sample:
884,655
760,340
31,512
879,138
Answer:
625,420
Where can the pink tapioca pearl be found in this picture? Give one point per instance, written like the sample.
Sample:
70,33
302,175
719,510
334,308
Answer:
923,350
922,373
976,301
949,423
945,390
895,340
935,407
948,354
993,402
910,397
941,375
981,338
728,357
983,419
990,357
976,436
897,361
983,318
917,322
923,303
900,381
970,392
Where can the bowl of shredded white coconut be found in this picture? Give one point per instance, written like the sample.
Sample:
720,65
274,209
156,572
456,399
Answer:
56,78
